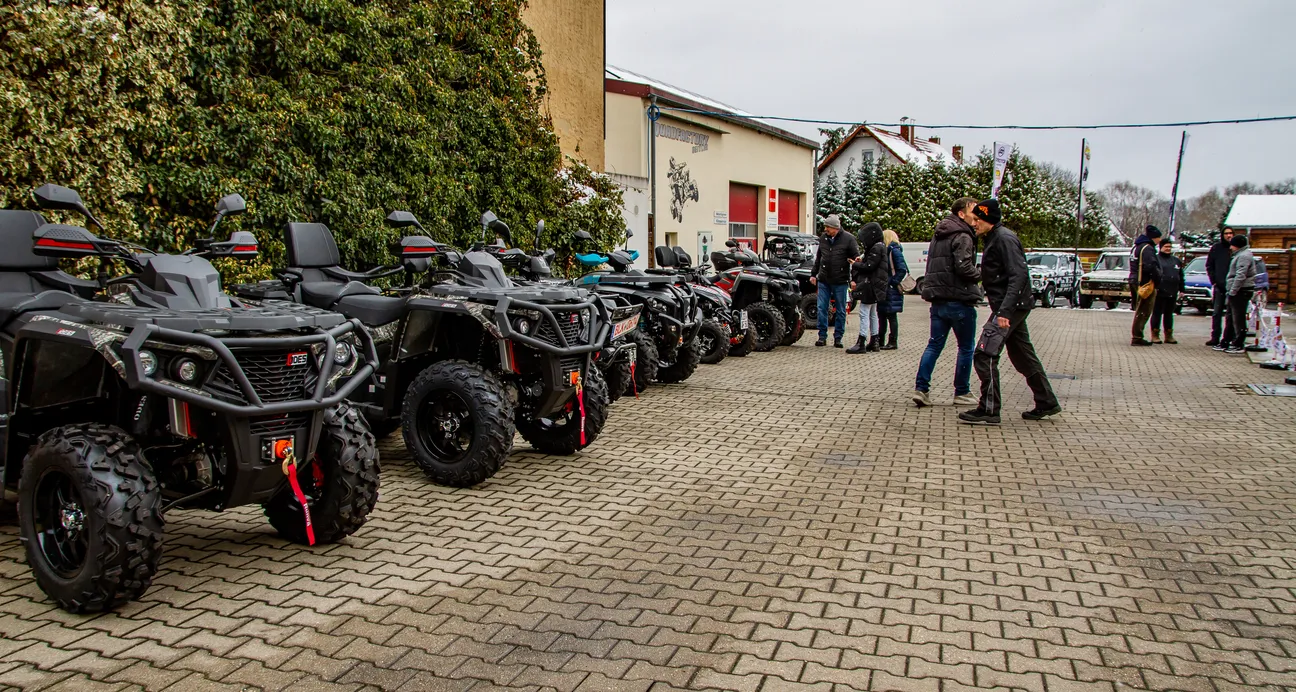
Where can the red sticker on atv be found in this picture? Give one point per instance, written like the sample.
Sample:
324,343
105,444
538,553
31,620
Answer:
296,359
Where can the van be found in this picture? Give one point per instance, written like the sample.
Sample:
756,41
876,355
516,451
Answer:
915,255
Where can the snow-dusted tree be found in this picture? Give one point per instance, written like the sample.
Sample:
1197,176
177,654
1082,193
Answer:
830,198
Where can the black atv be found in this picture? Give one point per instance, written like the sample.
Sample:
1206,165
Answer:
666,344
794,252
616,359
771,297
128,397
724,331
467,357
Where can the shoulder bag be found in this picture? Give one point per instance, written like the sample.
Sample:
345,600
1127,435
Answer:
1145,290
906,284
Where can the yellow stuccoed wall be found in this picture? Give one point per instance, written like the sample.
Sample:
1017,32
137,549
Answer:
571,38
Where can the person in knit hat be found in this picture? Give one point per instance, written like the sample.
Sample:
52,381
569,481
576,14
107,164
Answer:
1007,286
831,276
1144,268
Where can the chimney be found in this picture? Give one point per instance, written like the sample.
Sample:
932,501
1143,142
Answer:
958,153
906,130
934,140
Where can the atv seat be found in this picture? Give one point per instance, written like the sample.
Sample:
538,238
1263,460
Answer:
14,304
324,294
372,310
23,271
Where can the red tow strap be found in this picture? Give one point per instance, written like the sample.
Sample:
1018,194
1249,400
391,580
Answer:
290,470
580,400
634,384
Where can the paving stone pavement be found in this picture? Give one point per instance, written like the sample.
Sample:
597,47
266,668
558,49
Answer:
785,521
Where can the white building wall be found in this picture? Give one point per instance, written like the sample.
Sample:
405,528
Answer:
855,153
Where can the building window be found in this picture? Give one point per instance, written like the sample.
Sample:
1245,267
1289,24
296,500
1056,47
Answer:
868,156
672,238
742,230
789,229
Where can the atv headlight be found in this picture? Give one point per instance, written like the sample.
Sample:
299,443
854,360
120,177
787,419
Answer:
343,353
522,325
149,361
186,370
656,305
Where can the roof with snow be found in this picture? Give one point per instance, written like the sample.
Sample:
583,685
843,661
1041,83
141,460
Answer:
1262,211
920,151
622,81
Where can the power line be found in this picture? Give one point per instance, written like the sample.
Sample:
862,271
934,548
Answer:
1105,126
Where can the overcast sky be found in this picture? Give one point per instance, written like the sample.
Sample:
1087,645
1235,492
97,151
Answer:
1002,62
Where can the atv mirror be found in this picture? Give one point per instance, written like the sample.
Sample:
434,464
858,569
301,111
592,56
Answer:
731,243
416,246
549,255
488,218
502,230
231,204
403,219
584,235
629,234
241,245
539,233
50,196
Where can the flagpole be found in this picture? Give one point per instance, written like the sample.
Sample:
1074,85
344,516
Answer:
1080,196
1174,192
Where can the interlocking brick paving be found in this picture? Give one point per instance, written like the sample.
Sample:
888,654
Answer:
784,521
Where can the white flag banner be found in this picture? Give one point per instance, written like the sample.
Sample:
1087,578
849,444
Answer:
1001,152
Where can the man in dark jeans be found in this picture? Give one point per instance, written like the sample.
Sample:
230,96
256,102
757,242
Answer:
1240,287
950,285
1144,267
831,273
1217,266
1007,286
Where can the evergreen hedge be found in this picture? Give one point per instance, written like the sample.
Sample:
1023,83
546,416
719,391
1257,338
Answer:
336,111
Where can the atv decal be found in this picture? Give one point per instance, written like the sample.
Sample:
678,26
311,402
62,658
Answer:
297,359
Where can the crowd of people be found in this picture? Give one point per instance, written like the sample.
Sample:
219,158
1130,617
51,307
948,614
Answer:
872,270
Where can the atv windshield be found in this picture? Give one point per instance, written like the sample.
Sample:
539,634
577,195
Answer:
1112,263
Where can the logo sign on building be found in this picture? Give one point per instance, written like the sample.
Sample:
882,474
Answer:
771,216
1001,152
704,245
722,218
699,141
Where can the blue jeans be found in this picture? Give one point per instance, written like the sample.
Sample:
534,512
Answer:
838,293
962,318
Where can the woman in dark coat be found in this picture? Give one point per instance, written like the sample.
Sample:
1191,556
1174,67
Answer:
889,310
1167,295
869,276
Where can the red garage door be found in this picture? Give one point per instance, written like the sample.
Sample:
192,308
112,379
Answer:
744,203
789,210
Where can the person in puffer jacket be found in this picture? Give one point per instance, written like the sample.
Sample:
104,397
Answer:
951,286
869,276
889,310
1241,288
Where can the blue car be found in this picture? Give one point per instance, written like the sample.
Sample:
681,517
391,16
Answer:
1197,289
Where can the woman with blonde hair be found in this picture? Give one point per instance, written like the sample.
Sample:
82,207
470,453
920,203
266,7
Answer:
889,309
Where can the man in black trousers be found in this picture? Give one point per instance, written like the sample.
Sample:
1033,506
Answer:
1007,286
1217,266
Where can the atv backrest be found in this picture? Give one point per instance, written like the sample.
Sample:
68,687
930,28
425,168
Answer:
665,256
682,258
16,238
311,246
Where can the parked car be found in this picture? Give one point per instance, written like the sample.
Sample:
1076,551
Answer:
1053,275
1197,291
1109,280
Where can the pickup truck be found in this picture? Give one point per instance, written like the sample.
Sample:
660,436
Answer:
1109,280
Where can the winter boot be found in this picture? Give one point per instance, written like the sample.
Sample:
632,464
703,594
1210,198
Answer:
1170,337
1156,336
858,347
873,345
891,343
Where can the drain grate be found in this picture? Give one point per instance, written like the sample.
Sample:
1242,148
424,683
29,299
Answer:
1273,389
1059,376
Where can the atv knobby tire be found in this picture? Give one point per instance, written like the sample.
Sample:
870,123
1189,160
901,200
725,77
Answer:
685,364
646,361
617,378
713,342
340,483
795,326
767,323
451,391
90,516
564,438
744,347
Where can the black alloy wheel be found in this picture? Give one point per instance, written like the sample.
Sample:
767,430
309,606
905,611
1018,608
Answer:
60,523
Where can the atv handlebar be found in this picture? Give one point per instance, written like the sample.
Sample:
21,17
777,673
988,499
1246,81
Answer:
135,377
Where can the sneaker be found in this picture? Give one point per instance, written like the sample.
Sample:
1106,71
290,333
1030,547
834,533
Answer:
1219,347
821,342
921,399
1234,350
1041,413
966,400
978,417
1212,342
837,343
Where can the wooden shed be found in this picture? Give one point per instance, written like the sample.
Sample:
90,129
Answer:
1269,222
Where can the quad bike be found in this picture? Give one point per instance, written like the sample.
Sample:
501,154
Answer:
724,331
467,357
794,252
770,296
128,397
616,359
666,343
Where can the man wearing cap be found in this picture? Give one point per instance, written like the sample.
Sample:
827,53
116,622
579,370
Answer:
1144,267
1240,284
831,273
1007,286
1217,268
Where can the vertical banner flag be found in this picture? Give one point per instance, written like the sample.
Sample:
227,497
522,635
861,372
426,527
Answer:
1174,192
1001,152
1084,176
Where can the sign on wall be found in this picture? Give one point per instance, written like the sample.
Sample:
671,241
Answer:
704,246
722,218
771,213
699,141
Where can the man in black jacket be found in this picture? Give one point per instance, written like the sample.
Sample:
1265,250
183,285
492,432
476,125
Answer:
1144,268
1007,286
950,285
831,273
1217,266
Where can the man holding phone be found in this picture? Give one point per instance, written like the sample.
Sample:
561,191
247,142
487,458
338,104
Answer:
1007,286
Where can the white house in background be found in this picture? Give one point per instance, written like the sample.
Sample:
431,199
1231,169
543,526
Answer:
869,143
